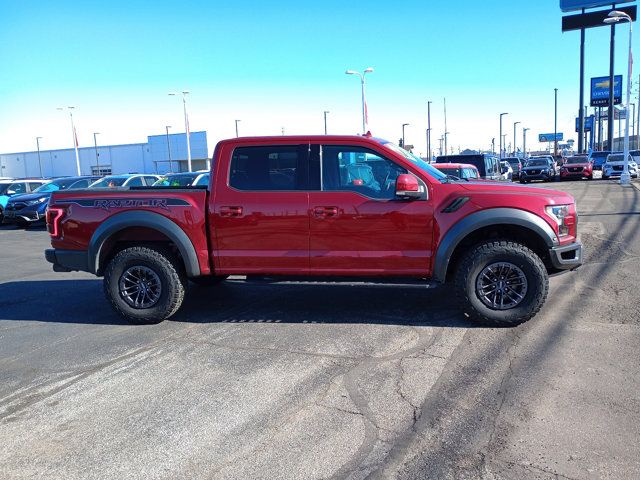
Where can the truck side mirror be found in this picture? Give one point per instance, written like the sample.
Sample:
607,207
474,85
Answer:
408,187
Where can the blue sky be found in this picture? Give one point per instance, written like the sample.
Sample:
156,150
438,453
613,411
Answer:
281,64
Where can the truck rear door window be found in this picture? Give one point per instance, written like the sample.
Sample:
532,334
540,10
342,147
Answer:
269,168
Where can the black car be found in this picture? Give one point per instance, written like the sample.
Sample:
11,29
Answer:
538,168
487,164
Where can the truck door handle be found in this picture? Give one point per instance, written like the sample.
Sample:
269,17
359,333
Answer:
324,212
230,211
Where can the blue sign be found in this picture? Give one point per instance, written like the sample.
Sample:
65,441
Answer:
600,91
572,5
588,123
548,137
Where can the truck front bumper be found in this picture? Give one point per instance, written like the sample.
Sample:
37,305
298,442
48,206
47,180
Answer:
67,260
566,257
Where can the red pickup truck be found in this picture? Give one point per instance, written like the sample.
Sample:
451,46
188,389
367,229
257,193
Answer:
337,206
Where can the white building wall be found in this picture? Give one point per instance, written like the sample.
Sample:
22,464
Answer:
147,157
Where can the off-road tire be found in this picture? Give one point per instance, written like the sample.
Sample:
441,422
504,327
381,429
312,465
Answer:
480,256
209,280
172,279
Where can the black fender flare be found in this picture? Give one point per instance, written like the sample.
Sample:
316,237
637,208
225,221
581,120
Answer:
485,218
151,220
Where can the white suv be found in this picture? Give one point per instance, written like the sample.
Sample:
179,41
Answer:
614,165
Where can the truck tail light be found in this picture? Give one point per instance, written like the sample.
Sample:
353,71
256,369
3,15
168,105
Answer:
53,217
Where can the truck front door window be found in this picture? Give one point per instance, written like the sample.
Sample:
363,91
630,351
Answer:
359,170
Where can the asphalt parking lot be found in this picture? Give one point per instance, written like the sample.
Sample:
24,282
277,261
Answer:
299,380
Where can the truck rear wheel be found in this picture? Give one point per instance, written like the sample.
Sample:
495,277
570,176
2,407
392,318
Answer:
144,284
501,283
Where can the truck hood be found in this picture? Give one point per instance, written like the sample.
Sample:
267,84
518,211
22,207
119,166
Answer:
555,197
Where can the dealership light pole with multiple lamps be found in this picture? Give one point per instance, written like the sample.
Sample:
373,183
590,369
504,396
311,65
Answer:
614,17
364,100
75,137
186,126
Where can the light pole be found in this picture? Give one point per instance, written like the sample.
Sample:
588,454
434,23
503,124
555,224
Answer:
166,128
39,161
615,17
365,119
95,144
555,125
237,127
514,138
446,132
441,139
524,142
429,129
325,121
403,140
75,138
186,125
501,115
633,126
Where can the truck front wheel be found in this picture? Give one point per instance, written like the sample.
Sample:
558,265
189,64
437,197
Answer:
501,283
144,284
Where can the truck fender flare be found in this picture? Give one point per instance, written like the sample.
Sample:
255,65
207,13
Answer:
485,218
150,220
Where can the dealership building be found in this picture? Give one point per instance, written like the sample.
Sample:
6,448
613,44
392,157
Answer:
159,154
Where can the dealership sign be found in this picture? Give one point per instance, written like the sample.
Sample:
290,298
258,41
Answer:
600,91
548,137
588,123
572,5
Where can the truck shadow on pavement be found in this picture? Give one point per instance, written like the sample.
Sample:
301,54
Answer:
83,302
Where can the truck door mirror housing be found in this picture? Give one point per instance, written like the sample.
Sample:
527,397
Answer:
410,187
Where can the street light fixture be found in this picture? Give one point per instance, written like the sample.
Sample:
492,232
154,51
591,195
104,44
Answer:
614,17
95,144
74,136
501,115
514,138
237,127
186,125
365,119
39,161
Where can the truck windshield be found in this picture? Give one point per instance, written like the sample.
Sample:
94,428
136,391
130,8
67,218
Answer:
417,161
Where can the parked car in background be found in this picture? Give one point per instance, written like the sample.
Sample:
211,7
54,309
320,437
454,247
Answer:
30,208
202,181
614,165
516,166
538,168
9,188
459,170
186,179
598,158
126,180
636,156
487,164
506,171
576,167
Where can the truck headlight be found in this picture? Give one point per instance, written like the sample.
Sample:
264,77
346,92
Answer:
559,213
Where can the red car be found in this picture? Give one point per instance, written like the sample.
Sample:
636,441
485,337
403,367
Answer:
463,171
338,206
576,167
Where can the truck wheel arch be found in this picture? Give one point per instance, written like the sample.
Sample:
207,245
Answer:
150,220
494,217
